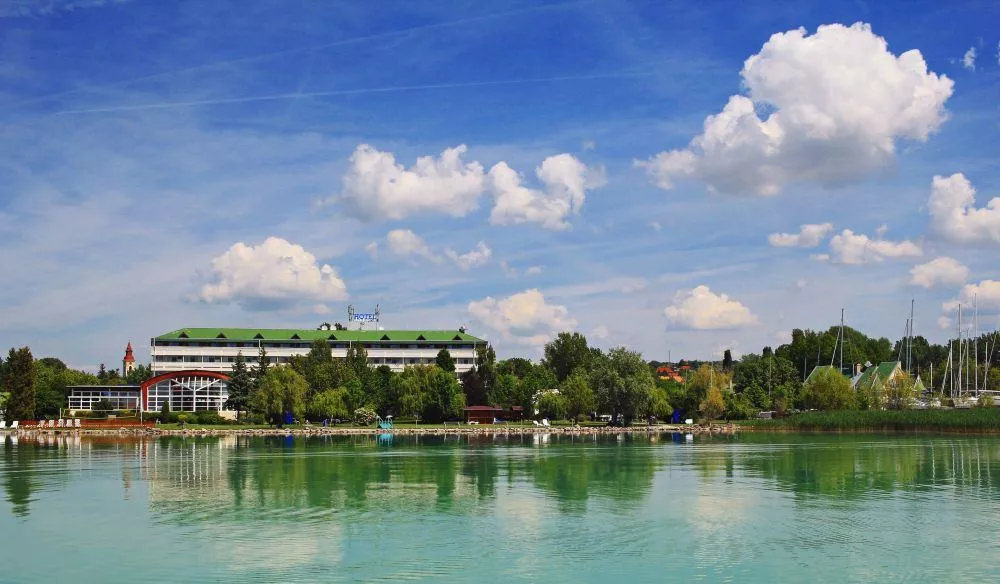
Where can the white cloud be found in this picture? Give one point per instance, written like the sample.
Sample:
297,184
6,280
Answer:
566,181
655,225
403,242
524,317
372,249
954,215
856,249
600,332
969,59
986,294
809,235
377,187
702,309
533,271
478,256
274,273
942,270
945,322
836,102
589,145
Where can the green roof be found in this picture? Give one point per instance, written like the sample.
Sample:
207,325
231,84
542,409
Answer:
881,372
251,334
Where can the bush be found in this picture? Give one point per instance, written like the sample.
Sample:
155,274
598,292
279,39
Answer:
183,419
364,417
552,406
209,418
985,401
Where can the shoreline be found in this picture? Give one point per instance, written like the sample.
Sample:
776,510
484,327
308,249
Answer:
713,429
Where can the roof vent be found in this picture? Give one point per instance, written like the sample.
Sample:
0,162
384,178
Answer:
457,338
385,338
421,338
296,337
221,336
332,337
258,336
183,335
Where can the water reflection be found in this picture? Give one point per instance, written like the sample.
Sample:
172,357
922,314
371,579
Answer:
190,480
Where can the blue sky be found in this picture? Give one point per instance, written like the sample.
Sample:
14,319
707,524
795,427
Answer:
198,164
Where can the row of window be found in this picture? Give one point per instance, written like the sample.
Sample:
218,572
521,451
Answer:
284,360
306,345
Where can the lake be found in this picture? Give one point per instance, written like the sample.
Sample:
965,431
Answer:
557,508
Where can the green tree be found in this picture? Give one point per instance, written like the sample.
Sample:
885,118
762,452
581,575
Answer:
660,404
104,406
444,361
165,411
700,382
241,384
579,396
486,367
4,397
472,386
261,369
102,373
516,366
19,382
567,353
727,360
758,377
828,389
330,404
357,361
552,405
281,390
444,398
714,405
139,375
622,383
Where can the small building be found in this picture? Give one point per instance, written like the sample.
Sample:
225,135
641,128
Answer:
184,391
482,414
877,376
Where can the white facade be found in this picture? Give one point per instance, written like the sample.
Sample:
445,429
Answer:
214,354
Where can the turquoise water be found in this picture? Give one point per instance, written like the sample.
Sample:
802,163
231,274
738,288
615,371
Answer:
553,509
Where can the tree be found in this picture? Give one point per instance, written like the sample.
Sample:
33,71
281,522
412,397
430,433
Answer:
102,373
165,411
828,390
103,405
472,386
241,385
700,382
567,353
900,392
52,382
622,383
552,405
659,405
758,377
714,405
19,382
281,390
444,361
139,375
579,396
262,367
517,366
486,367
330,404
444,398
727,360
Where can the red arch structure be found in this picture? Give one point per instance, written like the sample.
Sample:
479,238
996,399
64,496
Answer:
189,373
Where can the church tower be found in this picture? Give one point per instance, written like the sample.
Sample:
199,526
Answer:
128,363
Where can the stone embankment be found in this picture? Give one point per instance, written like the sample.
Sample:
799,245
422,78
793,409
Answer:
195,431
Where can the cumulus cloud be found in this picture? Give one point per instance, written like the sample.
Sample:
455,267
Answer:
524,317
954,215
969,59
836,102
404,242
986,294
376,186
942,270
856,249
275,273
809,235
655,225
533,271
600,332
372,249
476,257
566,181
702,309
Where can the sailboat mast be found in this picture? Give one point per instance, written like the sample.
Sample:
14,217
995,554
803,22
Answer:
842,340
909,339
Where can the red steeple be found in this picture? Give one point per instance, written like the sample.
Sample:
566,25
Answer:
128,353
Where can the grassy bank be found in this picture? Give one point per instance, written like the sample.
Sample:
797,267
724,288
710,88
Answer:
972,421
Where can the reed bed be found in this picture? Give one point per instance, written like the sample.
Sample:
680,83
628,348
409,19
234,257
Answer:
972,421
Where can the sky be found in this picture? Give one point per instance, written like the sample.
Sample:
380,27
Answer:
679,178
